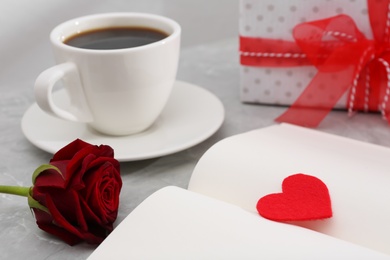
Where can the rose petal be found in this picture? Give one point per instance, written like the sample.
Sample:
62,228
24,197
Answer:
67,203
77,181
45,222
59,218
102,151
68,151
49,179
102,193
94,237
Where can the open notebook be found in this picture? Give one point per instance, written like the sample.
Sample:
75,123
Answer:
216,218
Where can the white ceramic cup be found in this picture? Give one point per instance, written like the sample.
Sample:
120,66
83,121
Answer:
119,91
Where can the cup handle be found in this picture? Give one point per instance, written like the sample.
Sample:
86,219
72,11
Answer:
43,93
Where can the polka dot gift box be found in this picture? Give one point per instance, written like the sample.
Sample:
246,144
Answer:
315,55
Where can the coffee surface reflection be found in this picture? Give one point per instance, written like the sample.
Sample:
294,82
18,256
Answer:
115,38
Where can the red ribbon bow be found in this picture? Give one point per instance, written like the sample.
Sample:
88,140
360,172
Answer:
345,59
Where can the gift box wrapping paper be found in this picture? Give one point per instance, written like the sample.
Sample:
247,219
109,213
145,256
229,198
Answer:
276,19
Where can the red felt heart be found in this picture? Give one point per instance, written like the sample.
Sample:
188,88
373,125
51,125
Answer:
304,197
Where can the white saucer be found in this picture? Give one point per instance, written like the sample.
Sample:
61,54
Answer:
191,116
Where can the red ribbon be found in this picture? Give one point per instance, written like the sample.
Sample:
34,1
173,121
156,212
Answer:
345,59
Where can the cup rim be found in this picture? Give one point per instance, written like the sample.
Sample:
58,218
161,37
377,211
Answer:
57,38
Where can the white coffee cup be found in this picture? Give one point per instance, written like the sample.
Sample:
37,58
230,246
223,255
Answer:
116,91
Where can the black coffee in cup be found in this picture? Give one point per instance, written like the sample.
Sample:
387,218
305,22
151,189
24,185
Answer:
115,38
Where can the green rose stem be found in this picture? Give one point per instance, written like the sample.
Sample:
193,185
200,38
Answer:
24,192
15,190
27,191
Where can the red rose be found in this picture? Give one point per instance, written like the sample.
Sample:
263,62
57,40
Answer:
76,196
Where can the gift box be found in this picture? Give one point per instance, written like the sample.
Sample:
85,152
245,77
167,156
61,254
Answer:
315,53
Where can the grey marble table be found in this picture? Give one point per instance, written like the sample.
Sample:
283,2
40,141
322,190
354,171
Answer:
209,58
